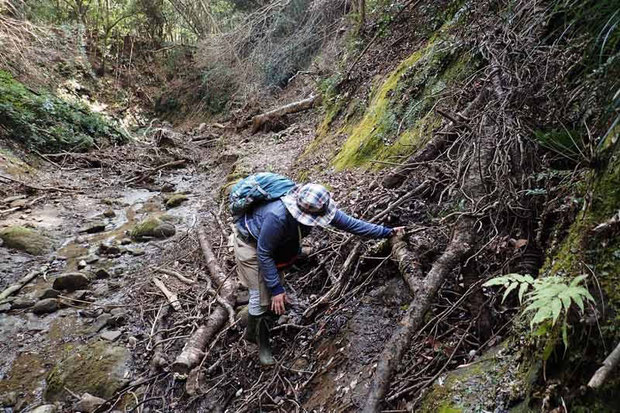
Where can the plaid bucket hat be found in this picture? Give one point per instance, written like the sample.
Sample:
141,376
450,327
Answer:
310,205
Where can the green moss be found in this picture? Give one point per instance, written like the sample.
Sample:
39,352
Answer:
152,227
399,119
26,239
96,368
42,121
175,200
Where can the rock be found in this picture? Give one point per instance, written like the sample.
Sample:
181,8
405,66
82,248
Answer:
71,281
48,293
152,228
22,302
91,259
5,307
88,403
126,241
118,271
202,127
136,252
26,239
101,291
167,187
81,265
102,274
176,200
101,322
93,227
80,239
46,408
109,213
111,335
98,368
8,399
109,248
46,306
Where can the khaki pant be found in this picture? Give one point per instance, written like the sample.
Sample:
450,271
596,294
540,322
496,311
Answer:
249,274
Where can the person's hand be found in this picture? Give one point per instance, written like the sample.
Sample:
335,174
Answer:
277,303
398,231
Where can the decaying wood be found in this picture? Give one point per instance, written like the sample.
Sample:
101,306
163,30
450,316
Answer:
610,363
193,350
173,299
158,360
151,171
413,319
408,263
179,276
259,120
12,289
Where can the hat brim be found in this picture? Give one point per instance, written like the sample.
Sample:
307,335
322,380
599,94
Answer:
304,218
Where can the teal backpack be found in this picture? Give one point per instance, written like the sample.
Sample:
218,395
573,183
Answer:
256,189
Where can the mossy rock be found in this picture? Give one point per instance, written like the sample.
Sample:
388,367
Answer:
26,239
97,368
492,383
153,227
175,200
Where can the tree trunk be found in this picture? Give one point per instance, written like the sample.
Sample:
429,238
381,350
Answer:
193,351
259,120
395,349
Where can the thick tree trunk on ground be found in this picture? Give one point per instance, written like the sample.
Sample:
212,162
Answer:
401,339
194,348
259,120
408,264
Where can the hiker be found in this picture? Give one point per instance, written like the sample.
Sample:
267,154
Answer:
268,235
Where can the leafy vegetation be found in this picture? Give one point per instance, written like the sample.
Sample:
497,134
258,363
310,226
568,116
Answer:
42,121
549,296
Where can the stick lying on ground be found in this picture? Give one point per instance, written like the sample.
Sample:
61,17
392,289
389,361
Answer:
259,120
610,363
194,348
172,297
12,289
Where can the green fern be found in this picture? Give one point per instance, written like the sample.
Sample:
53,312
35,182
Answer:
549,297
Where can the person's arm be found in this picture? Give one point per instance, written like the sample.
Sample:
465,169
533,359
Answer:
271,233
358,227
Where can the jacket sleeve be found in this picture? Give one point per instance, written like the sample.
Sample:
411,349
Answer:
358,227
272,231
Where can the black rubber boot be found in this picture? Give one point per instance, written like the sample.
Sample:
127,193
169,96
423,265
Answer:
264,347
251,331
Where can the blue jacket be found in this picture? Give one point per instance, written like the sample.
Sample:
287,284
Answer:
278,236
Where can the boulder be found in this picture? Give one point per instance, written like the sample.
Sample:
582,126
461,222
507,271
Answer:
98,368
175,200
26,239
109,248
109,213
71,281
152,228
93,227
101,322
88,403
46,306
22,302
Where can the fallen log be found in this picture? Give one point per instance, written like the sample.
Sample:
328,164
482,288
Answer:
259,120
610,363
413,319
193,351
408,263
